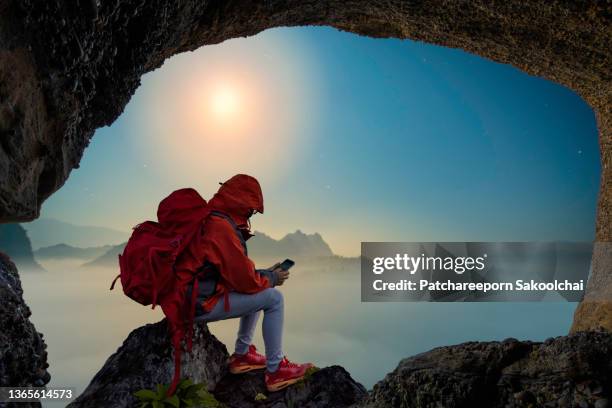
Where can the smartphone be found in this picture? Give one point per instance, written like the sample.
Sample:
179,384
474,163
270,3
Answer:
286,264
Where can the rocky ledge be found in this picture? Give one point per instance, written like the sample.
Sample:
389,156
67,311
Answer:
328,387
568,371
23,355
145,359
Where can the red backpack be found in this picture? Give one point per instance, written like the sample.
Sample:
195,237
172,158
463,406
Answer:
147,264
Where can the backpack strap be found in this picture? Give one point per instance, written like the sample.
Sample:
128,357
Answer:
242,241
234,226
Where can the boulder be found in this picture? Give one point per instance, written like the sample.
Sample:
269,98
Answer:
146,359
569,371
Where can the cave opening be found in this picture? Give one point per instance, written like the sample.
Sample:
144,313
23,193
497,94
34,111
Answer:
353,138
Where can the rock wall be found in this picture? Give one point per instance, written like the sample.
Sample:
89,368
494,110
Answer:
23,355
595,311
65,71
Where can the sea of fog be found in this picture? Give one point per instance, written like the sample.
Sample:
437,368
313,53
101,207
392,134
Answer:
326,323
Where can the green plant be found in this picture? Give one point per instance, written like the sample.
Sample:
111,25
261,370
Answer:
260,397
309,373
187,395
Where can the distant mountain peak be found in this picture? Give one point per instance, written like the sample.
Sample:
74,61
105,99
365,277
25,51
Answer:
294,244
65,251
61,246
14,241
261,234
108,258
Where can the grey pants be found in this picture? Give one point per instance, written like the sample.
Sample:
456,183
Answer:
247,308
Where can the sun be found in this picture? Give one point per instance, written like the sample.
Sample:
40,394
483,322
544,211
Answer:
225,102
226,109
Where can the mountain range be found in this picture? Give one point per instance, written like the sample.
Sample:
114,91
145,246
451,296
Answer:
108,258
55,239
45,232
295,245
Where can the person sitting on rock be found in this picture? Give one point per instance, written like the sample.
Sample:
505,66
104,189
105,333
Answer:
230,286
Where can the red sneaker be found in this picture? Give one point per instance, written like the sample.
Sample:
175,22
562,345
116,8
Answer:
252,360
287,373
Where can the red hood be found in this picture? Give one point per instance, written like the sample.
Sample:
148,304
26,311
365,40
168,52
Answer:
237,197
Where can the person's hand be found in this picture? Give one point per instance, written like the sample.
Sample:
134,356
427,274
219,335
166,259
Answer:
281,274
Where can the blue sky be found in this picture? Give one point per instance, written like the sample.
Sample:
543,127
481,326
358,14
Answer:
358,139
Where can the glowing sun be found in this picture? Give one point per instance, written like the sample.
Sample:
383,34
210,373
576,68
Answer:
226,109
225,102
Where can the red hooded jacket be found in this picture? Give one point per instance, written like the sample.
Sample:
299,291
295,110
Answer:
202,234
217,243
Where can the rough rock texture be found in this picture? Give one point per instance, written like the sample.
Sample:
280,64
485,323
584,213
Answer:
572,371
329,387
66,70
146,359
23,355
595,311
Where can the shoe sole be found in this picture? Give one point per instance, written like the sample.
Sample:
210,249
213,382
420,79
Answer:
283,384
245,368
